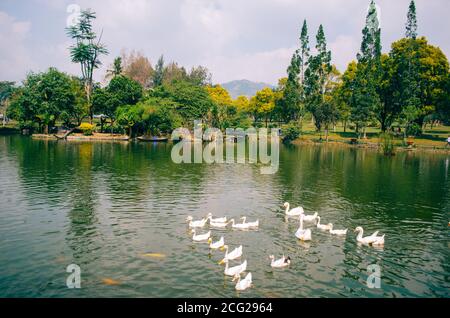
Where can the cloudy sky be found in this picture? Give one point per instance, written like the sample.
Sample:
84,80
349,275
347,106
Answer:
235,39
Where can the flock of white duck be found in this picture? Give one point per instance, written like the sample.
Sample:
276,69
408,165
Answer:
301,234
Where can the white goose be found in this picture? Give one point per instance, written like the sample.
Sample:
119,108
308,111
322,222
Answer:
324,227
337,232
301,234
216,220
193,224
310,218
216,245
280,263
244,283
374,239
251,225
234,254
236,270
201,237
294,212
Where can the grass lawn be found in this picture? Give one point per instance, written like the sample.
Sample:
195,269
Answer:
431,138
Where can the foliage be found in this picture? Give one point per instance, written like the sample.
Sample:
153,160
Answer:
138,67
86,51
262,104
290,132
87,129
387,144
43,97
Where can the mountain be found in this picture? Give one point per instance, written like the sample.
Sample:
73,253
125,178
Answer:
244,87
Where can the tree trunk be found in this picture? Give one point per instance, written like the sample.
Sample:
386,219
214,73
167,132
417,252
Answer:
345,125
130,131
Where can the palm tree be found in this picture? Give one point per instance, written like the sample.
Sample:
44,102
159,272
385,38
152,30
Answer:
116,69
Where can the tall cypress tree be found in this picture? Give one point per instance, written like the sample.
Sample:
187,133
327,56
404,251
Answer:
409,98
411,24
304,51
365,97
319,68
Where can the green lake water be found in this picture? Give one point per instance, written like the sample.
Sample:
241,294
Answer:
103,205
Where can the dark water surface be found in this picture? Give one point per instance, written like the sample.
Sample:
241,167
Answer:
103,205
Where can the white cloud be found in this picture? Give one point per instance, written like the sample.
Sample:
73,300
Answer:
15,60
251,39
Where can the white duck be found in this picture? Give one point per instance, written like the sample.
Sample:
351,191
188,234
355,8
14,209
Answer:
244,283
374,239
219,225
193,224
280,263
234,254
310,218
324,227
216,245
294,212
301,234
244,225
236,270
216,220
337,232
201,237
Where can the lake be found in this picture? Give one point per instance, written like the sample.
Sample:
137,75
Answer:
103,206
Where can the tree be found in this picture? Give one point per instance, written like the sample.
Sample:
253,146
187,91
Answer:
420,73
262,104
173,72
138,68
193,101
200,75
289,104
411,24
6,91
116,69
43,98
158,75
316,77
86,51
304,51
365,96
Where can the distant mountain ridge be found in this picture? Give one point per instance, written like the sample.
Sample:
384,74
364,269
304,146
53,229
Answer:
244,88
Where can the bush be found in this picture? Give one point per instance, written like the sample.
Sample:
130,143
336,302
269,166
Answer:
290,133
87,129
414,130
387,144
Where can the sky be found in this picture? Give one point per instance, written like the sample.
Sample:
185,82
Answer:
234,39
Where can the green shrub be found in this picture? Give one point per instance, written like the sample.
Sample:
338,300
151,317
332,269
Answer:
387,144
414,130
290,132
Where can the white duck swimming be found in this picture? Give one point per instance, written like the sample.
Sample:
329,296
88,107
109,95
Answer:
294,212
310,218
374,239
216,220
216,245
280,263
236,270
234,254
324,227
243,284
244,225
337,232
199,223
219,225
301,234
201,237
